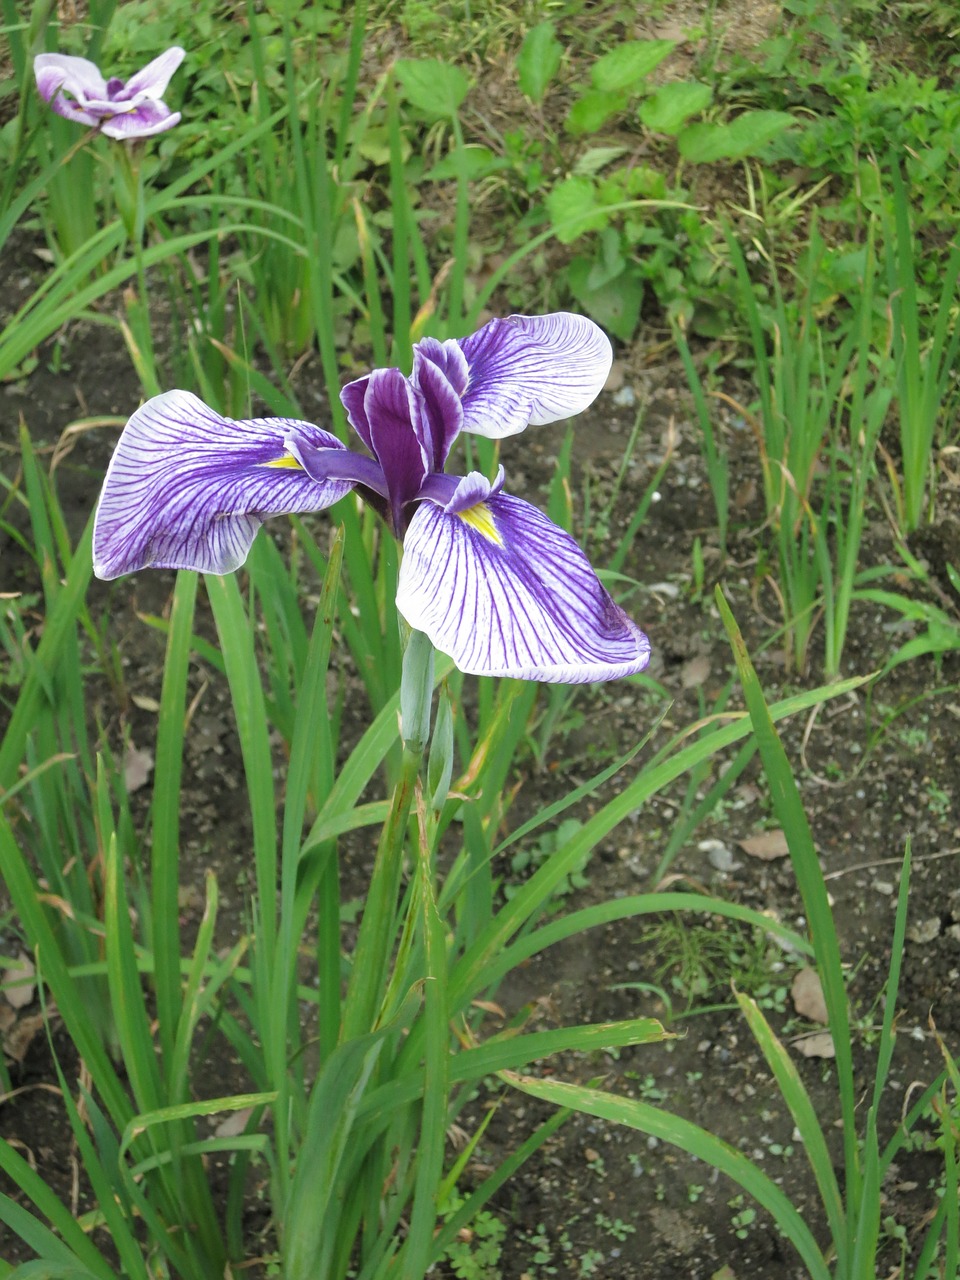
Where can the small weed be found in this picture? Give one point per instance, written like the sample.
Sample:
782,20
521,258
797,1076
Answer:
647,1087
700,961
526,861
743,1217
617,1228
475,1254
939,802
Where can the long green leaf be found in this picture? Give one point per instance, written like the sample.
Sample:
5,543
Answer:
788,807
696,1142
805,1118
469,973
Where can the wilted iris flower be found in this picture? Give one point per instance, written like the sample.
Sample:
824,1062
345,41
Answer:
491,581
75,88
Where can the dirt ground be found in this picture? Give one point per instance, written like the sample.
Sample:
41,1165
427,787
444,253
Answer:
874,769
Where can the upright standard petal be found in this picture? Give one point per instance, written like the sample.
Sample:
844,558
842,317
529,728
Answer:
532,370
188,489
393,408
152,80
441,412
504,592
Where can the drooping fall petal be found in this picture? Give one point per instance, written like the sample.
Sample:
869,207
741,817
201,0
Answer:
59,75
188,489
504,591
145,120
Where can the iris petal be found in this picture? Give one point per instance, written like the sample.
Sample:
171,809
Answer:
188,489
393,409
143,121
77,76
532,370
151,81
440,410
504,592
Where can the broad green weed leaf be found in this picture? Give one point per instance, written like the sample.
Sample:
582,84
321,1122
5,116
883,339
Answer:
538,60
628,64
615,305
432,86
745,136
590,112
477,161
574,202
669,108
610,262
597,158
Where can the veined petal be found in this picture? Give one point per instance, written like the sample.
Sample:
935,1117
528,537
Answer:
187,489
440,408
153,79
77,76
392,410
142,121
505,592
352,397
532,370
473,488
447,357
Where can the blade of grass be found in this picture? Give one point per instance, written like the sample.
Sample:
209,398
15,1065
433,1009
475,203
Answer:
788,807
164,937
807,1122
688,1137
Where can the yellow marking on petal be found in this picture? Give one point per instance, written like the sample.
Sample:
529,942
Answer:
288,461
480,517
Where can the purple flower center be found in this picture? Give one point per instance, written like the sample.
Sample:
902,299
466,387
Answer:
114,88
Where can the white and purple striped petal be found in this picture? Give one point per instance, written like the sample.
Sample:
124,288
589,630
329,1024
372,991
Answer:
146,119
440,418
58,74
504,592
188,489
530,370
393,409
152,80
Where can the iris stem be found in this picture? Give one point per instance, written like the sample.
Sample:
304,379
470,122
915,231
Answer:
371,959
132,207
374,943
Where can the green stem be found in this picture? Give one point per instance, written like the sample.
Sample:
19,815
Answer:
132,208
371,958
374,944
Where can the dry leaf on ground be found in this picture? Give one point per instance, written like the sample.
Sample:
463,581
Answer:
18,996
234,1124
137,768
807,996
18,1038
819,1045
766,846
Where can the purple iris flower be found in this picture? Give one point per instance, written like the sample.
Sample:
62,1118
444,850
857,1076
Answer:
490,580
75,88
